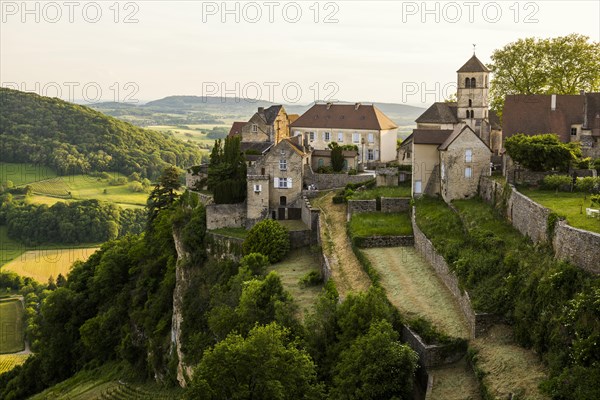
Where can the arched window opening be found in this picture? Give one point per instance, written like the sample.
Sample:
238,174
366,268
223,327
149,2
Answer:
470,103
473,83
467,83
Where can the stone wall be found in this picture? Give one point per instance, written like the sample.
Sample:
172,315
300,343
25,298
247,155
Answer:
574,245
332,181
431,355
310,215
577,246
300,239
204,198
225,216
223,247
395,204
361,206
383,241
478,322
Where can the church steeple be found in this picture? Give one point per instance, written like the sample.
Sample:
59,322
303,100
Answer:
472,93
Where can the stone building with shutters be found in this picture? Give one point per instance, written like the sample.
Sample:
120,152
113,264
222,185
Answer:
266,125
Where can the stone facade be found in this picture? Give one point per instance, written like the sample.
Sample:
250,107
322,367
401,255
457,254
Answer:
257,199
432,355
395,204
223,247
464,161
264,127
310,216
225,216
528,217
196,174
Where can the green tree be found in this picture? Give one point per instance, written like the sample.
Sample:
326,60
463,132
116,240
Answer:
561,65
227,172
269,238
337,157
164,193
266,365
376,366
256,263
542,152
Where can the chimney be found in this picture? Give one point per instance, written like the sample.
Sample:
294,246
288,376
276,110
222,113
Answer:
329,105
356,105
553,103
261,110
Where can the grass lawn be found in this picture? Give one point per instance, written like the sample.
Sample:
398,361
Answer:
9,248
239,233
382,191
84,187
194,134
22,174
42,264
294,225
11,326
9,361
571,205
380,224
297,264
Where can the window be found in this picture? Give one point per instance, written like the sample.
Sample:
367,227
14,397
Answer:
470,103
282,201
320,162
370,155
469,155
371,138
311,136
468,113
468,172
473,83
467,83
340,137
327,136
254,128
355,138
257,188
283,183
573,131
418,187
283,164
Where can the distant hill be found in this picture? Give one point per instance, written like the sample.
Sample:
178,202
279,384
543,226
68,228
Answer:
76,139
182,110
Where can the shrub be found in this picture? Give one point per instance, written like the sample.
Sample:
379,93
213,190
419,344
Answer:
542,152
269,238
338,199
326,169
256,263
588,184
118,181
136,187
352,171
557,182
595,200
584,163
312,278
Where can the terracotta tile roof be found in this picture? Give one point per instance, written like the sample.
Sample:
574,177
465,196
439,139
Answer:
459,130
439,113
344,116
236,128
430,136
473,65
532,115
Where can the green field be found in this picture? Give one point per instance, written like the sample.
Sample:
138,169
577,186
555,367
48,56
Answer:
571,205
297,264
11,326
85,187
9,361
9,249
43,264
192,133
382,191
380,224
22,174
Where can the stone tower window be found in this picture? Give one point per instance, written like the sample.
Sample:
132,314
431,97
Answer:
467,83
470,103
473,83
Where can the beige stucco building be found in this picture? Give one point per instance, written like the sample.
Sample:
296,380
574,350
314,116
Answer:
363,125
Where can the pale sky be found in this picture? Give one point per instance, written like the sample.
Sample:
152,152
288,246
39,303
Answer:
385,51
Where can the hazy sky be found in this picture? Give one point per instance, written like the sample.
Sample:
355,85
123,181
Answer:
283,51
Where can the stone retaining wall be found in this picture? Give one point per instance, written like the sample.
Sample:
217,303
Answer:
431,355
395,204
577,246
332,181
225,216
223,247
478,322
300,239
383,241
361,206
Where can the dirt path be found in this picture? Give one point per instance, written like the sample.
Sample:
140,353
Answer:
509,368
454,382
347,272
414,288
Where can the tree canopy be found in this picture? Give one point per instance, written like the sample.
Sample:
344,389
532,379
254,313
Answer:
542,152
268,237
561,65
227,172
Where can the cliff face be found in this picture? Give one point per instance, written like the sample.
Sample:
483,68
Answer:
182,281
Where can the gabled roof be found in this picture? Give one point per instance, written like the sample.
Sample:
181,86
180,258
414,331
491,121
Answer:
406,142
344,116
430,136
439,113
259,147
236,128
473,65
592,105
293,117
270,114
295,146
459,130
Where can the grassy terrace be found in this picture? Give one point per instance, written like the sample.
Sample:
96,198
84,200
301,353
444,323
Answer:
542,299
571,205
11,321
380,224
382,191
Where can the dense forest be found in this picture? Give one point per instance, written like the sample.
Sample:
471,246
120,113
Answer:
88,221
76,139
118,307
